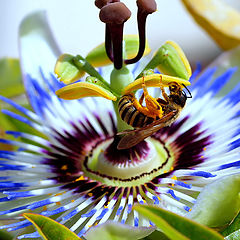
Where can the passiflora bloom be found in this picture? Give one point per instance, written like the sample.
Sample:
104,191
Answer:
73,171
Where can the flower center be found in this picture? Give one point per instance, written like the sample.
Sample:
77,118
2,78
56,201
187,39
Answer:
129,167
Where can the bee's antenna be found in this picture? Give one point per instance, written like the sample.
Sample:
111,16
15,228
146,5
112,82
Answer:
190,95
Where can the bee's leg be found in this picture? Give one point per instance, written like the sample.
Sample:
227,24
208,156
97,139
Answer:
141,98
164,94
152,105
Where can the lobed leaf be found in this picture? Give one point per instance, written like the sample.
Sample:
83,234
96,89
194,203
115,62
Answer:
50,229
117,231
175,226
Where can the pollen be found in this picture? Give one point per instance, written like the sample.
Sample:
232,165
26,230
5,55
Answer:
72,200
79,179
90,194
58,203
174,177
64,167
204,149
44,208
59,194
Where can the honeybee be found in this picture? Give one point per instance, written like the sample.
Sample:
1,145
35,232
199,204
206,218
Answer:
157,113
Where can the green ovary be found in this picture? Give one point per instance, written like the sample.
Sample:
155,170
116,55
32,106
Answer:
131,173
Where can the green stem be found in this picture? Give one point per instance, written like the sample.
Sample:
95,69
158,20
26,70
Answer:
119,79
82,64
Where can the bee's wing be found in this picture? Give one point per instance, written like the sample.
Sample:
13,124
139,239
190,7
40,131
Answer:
135,136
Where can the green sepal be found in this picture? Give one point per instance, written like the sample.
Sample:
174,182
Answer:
98,56
218,203
176,226
170,60
50,229
10,78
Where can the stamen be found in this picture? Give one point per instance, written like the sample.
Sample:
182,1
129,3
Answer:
145,7
114,15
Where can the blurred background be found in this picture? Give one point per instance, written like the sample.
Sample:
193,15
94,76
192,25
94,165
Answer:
77,29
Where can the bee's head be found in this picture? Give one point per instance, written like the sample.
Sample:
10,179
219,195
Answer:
179,99
177,96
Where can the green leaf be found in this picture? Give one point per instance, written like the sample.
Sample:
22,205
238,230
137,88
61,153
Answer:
50,229
5,235
156,235
218,203
234,226
175,226
10,77
117,231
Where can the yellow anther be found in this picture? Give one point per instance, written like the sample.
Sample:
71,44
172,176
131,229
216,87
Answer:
154,80
84,89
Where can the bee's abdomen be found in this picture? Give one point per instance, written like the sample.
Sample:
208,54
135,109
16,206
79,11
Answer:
130,114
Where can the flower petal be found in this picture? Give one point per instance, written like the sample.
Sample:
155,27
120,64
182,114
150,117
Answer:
37,46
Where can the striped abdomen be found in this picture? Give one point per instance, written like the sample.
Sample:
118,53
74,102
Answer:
130,114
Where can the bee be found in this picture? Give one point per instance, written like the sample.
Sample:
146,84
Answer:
146,120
